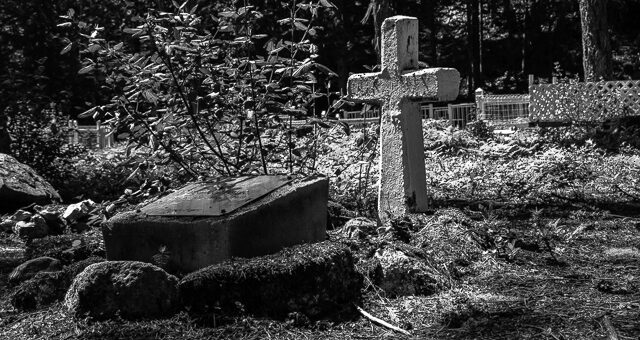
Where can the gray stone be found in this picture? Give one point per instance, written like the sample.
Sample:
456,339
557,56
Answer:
399,88
292,214
131,290
31,230
31,267
622,255
7,225
20,185
21,216
78,210
404,275
39,291
359,227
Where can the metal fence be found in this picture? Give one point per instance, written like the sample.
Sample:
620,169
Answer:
502,109
93,137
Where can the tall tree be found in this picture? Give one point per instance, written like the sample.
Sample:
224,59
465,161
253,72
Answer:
473,35
596,43
378,10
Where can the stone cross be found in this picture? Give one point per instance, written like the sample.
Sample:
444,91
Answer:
399,88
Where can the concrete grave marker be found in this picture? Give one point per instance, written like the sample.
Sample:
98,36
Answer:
205,223
400,88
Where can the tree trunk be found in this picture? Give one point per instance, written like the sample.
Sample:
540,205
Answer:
381,10
596,43
473,35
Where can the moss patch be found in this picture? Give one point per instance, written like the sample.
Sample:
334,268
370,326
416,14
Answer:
318,280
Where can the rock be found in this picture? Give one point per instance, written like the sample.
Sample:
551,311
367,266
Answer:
47,287
317,280
448,237
403,275
54,219
21,186
31,230
79,210
21,216
76,268
131,290
31,267
41,290
359,227
622,255
7,225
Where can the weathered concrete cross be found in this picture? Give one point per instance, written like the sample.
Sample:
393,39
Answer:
399,88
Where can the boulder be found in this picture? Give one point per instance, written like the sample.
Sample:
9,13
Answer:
131,290
47,287
317,280
20,185
403,275
41,290
31,267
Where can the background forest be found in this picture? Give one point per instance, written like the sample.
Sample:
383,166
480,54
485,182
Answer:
153,69
516,38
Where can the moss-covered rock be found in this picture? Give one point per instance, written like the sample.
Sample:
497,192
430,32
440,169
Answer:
129,289
45,288
318,280
41,290
30,268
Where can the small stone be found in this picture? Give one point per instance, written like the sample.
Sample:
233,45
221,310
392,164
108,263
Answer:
620,255
359,227
30,230
403,275
21,216
7,225
78,210
31,267
131,290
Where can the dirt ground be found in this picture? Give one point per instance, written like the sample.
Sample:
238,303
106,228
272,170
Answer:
570,274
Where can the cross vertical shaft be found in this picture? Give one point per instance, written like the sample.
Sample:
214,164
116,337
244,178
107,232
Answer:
398,88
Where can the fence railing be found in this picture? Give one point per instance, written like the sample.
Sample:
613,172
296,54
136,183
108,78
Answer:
97,136
589,101
502,109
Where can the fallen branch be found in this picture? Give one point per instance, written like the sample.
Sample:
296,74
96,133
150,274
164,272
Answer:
382,322
612,331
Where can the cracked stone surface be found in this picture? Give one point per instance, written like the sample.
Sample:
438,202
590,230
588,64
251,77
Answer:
399,88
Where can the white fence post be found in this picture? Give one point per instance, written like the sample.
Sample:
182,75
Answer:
480,104
450,112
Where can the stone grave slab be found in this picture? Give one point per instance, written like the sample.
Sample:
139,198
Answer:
399,88
208,222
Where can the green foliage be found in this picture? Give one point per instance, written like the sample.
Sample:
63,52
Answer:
106,174
37,135
210,94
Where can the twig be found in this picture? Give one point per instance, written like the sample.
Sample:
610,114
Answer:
612,331
382,322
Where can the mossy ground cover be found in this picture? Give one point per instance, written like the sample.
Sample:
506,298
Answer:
552,258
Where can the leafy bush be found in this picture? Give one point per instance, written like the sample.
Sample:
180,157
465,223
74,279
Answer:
208,94
106,174
37,135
